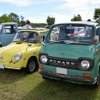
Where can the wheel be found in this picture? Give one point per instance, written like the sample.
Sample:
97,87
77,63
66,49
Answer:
31,65
44,77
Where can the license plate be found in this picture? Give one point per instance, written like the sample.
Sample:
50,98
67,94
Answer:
61,70
1,66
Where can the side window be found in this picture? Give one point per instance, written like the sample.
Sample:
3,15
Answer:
9,29
6,29
42,36
58,33
13,29
32,37
55,33
98,32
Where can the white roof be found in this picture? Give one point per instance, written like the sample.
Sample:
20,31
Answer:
9,23
80,22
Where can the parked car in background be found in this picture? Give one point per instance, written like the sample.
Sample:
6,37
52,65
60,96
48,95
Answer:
7,32
71,52
23,51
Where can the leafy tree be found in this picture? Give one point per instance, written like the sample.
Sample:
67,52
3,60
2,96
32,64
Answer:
14,16
50,20
77,18
5,18
38,24
22,18
22,22
97,15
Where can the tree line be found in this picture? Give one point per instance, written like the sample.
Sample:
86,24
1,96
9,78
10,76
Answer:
12,17
96,16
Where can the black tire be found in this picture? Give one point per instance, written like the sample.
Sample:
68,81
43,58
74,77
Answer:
31,66
44,77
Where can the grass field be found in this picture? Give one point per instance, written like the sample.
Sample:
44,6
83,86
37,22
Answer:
17,85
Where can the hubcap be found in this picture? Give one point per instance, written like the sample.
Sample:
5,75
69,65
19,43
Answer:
31,66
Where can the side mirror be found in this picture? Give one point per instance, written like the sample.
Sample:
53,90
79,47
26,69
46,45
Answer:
18,42
96,39
29,44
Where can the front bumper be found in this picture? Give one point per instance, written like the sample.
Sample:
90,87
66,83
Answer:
65,77
6,67
3,66
10,65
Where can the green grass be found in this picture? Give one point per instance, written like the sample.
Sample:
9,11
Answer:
17,85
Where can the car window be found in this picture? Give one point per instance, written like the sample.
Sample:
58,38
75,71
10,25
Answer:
9,29
98,31
75,33
26,36
42,36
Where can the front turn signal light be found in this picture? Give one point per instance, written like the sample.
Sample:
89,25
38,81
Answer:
87,75
41,67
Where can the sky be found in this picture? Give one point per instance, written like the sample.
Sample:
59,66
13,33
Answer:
37,11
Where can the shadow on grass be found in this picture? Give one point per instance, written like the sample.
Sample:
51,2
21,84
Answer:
59,90
8,76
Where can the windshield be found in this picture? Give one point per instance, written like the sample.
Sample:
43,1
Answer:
26,36
71,33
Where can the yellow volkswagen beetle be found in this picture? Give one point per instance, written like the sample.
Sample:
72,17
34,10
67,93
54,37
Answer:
23,51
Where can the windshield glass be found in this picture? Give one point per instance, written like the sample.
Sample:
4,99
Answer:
26,36
71,33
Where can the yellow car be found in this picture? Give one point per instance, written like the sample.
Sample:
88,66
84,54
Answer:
23,51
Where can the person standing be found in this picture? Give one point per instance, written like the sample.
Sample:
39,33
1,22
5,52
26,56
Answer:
27,26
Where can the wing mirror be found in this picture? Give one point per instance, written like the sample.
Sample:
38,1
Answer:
30,44
18,42
96,39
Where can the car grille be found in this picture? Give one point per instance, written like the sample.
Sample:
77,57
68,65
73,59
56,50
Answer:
65,63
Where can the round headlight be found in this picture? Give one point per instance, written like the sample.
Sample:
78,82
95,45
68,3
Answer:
17,57
85,64
43,59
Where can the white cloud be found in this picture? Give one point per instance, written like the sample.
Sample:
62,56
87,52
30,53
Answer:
37,20
45,1
95,1
26,2
78,4
83,7
84,14
62,18
17,2
23,13
69,8
59,18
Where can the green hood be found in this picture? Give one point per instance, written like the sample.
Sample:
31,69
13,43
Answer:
70,51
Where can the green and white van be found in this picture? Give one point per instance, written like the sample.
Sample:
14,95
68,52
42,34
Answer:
71,52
